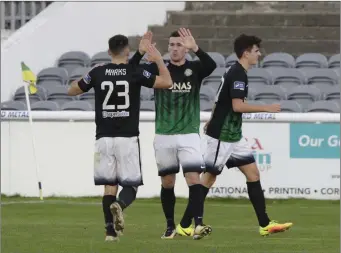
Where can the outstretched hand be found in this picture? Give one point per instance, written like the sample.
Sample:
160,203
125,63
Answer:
145,41
153,55
187,39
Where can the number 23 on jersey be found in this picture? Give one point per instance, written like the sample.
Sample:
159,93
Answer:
109,86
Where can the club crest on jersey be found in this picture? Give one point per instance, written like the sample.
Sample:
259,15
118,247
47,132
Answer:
237,85
87,79
188,72
146,74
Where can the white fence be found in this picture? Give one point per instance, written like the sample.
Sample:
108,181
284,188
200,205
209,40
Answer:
298,155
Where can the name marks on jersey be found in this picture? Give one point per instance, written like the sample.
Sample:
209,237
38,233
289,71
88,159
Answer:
115,72
106,114
181,87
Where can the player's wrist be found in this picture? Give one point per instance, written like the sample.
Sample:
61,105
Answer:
159,61
195,48
141,52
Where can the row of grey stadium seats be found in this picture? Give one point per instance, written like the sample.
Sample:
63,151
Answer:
88,105
270,76
257,91
73,59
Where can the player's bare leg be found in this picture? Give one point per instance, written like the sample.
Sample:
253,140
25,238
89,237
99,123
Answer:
256,196
195,208
168,204
109,197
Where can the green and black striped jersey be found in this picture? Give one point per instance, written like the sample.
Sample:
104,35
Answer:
225,124
178,108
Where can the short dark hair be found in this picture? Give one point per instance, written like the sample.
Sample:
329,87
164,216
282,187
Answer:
117,43
245,43
174,34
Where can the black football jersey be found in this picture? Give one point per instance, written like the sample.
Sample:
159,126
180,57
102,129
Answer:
117,97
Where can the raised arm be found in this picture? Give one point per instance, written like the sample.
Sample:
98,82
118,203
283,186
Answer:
145,41
207,64
163,80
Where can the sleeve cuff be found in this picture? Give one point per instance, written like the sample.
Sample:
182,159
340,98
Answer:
199,52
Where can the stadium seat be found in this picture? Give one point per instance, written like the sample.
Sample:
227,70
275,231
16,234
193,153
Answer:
327,76
45,106
146,93
48,84
218,58
288,85
259,75
100,57
218,72
286,75
334,61
92,102
52,75
13,106
212,81
188,57
131,54
268,94
58,93
331,93
311,60
255,102
324,106
256,85
73,59
290,106
78,73
90,95
283,60
147,106
40,95
230,60
206,106
304,95
207,93
77,106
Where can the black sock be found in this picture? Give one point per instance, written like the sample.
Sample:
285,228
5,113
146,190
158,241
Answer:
204,192
257,199
168,204
126,196
107,200
197,204
186,220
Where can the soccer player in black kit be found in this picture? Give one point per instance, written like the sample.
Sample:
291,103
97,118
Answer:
117,88
225,142
177,140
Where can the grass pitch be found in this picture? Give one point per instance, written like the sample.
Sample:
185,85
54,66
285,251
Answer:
75,225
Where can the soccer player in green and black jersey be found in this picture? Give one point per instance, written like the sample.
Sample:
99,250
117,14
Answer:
177,139
225,144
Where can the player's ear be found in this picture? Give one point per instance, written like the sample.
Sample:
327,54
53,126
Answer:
109,52
187,51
